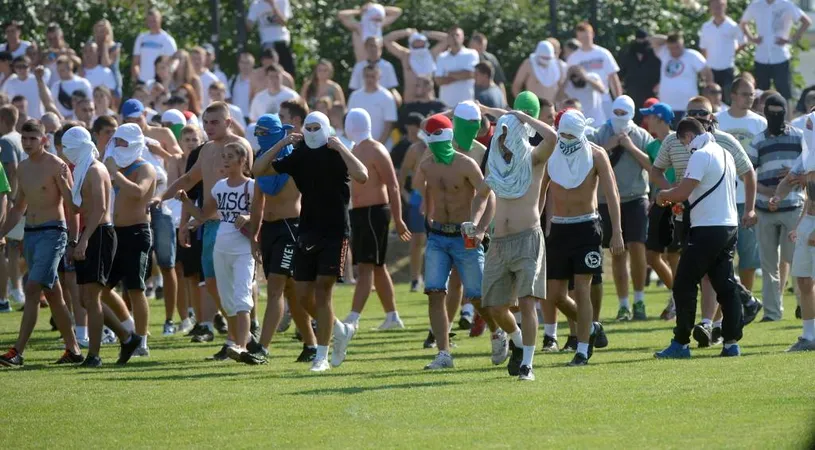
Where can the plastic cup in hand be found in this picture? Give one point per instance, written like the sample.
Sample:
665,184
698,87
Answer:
469,235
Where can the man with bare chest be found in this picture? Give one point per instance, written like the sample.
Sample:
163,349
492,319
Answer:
515,266
40,197
576,234
374,203
450,179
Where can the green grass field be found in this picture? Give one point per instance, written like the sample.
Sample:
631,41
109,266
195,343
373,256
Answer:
381,397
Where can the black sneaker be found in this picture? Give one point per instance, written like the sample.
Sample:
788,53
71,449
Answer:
11,359
526,374
430,341
578,360
751,310
549,344
254,346
702,333
149,292
70,358
254,329
5,306
716,336
465,320
128,348
91,362
514,364
571,345
601,340
798,312
220,324
222,355
308,354
159,292
252,359
204,335
196,329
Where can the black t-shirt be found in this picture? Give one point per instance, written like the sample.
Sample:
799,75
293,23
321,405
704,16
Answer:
423,108
398,153
196,194
322,178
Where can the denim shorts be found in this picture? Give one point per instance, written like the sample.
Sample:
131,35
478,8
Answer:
747,245
415,218
207,261
442,253
43,247
164,237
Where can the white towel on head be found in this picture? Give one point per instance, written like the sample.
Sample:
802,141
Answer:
370,23
571,161
78,147
125,156
358,125
549,74
510,180
421,59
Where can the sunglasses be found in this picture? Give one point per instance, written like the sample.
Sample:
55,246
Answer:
698,113
715,92
261,131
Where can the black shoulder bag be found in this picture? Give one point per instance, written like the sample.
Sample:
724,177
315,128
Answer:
689,206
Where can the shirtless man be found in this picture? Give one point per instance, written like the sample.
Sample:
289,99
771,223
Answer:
575,234
39,197
96,247
375,202
450,179
542,73
515,266
278,201
207,168
134,184
373,18
419,59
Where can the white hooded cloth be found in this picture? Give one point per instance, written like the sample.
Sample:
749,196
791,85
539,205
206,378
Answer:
125,156
510,180
78,147
421,59
548,74
358,125
572,160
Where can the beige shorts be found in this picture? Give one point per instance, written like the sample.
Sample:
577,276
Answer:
16,233
514,267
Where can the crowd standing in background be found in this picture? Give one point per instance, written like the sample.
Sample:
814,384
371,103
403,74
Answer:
508,188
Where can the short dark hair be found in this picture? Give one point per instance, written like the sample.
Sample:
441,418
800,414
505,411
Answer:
6,56
478,36
296,107
79,94
22,58
103,122
689,125
18,98
371,66
9,114
583,26
53,27
485,68
675,38
13,23
268,53
33,126
546,103
274,67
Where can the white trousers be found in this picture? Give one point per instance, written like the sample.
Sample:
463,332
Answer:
234,275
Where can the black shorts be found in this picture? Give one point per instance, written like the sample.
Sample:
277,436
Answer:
132,256
574,249
596,279
653,242
319,256
98,257
369,234
190,257
278,240
680,234
634,218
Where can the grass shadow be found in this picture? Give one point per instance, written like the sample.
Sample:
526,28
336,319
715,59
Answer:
361,390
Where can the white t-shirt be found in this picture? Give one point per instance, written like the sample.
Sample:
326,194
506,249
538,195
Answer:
458,91
101,76
380,106
239,93
772,20
720,42
597,60
268,103
237,115
262,13
679,77
589,98
207,78
744,129
20,50
68,87
232,202
799,122
28,89
149,47
387,75
719,207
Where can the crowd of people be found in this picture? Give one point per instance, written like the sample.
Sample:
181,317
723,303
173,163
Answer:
197,187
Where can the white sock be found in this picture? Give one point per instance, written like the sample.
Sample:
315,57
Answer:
322,352
624,302
550,329
729,345
468,308
639,297
82,333
392,316
144,341
809,329
158,281
538,306
517,339
529,353
717,324
230,343
583,347
129,325
353,316
707,322
517,317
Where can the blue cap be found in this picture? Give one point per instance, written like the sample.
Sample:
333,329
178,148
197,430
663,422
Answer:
661,110
132,108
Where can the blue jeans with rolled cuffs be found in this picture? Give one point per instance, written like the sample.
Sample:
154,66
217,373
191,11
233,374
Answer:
442,253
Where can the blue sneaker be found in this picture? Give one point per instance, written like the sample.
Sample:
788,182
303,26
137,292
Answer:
734,350
674,351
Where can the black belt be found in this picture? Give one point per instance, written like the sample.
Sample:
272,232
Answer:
46,228
444,229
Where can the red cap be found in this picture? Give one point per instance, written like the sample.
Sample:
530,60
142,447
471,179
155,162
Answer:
650,102
437,122
559,115
188,114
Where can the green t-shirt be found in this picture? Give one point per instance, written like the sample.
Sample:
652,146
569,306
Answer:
4,186
652,150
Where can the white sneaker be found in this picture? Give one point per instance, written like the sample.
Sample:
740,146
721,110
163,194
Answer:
500,347
348,320
389,324
186,326
17,296
343,332
108,336
443,361
320,365
83,343
169,328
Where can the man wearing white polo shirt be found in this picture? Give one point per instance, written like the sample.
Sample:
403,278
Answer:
681,69
455,70
773,21
720,39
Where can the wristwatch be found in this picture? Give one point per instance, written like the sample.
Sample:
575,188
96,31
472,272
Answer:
73,243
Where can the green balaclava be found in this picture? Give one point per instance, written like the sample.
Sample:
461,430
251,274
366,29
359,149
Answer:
439,138
528,103
176,129
466,123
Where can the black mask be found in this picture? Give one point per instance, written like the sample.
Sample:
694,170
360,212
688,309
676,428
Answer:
776,120
578,82
640,46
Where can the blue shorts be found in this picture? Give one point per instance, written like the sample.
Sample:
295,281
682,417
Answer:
442,253
415,218
747,245
207,261
43,248
163,237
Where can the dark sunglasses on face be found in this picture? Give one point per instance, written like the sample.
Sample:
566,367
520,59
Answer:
715,92
261,131
698,113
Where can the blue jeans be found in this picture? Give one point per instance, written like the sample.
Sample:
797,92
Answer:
747,245
444,252
207,261
163,237
43,247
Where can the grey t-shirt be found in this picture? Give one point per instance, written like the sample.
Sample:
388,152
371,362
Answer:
11,148
632,178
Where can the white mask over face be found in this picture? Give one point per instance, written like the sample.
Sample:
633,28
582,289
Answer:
572,159
421,59
548,74
358,125
125,156
621,124
319,138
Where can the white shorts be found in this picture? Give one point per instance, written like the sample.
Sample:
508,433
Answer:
234,275
17,233
803,257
